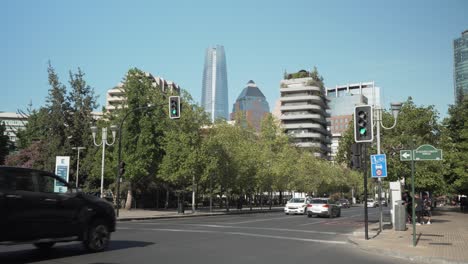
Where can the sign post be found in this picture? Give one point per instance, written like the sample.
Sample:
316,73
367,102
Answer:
423,152
62,169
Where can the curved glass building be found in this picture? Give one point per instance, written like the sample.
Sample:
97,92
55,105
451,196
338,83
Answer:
253,104
215,88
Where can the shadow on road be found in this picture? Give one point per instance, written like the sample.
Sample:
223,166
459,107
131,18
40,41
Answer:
61,251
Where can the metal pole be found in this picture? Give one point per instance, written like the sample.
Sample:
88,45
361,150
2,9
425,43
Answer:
77,167
366,216
104,138
211,193
413,203
379,116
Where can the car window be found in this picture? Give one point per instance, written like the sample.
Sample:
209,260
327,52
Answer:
23,181
45,183
4,181
297,200
318,201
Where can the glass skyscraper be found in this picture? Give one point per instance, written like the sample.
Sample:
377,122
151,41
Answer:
460,62
253,104
215,87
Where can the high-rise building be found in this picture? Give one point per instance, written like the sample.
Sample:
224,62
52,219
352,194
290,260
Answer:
253,104
13,122
304,113
460,64
343,99
215,86
116,96
368,89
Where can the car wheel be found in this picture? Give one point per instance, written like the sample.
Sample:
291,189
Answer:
44,245
309,215
98,236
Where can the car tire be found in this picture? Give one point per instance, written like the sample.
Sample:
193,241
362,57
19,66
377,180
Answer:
97,237
309,215
44,245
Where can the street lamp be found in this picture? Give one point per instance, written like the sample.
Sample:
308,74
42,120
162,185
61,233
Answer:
104,142
78,163
395,107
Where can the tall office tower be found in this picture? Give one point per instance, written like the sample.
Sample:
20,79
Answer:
343,99
215,87
460,64
304,112
253,104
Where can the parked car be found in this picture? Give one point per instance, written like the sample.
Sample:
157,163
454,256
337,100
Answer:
296,206
383,202
344,203
33,210
323,207
372,203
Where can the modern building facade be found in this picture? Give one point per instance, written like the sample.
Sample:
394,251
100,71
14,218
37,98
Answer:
304,114
252,103
367,89
115,98
215,86
460,64
13,123
342,100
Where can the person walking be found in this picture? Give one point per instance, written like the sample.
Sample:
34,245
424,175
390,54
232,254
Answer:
427,208
418,208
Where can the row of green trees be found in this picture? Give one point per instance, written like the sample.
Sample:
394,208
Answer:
177,155
191,154
421,124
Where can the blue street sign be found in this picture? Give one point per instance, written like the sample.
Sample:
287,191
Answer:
379,166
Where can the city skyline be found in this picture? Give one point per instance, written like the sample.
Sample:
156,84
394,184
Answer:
215,85
407,48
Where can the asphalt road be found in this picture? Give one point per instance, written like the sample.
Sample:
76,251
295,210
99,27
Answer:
249,238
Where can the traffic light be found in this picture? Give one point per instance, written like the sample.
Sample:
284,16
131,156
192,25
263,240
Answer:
174,107
363,125
122,168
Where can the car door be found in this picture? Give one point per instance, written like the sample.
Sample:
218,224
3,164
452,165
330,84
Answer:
62,208
22,202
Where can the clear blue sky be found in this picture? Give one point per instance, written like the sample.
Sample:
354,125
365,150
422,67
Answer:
404,46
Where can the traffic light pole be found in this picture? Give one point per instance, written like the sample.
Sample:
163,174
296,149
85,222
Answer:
364,169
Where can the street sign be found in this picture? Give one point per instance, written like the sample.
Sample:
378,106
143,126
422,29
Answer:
379,166
62,169
406,155
427,152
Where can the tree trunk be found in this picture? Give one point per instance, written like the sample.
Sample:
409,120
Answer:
128,203
166,204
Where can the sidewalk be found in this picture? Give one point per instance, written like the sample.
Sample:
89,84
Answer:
444,241
142,214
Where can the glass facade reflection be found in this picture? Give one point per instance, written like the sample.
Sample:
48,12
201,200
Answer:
215,87
253,104
460,75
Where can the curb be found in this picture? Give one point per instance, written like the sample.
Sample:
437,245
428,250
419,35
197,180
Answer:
401,255
137,218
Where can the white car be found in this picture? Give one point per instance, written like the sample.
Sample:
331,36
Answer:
296,206
371,203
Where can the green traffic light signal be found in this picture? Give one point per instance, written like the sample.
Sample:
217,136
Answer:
362,131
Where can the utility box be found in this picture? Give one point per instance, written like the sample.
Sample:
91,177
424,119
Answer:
400,216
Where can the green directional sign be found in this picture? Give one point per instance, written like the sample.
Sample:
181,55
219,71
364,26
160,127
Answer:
406,155
427,152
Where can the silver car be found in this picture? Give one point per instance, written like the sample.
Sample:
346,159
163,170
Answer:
323,207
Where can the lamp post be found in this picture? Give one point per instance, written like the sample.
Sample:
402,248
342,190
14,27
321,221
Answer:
395,107
104,142
78,163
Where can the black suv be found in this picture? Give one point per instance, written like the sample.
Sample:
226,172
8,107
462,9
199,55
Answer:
31,211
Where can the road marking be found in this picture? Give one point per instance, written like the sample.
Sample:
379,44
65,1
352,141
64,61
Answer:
258,220
271,229
243,234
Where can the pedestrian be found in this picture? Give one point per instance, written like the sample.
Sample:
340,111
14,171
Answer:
427,207
407,202
418,206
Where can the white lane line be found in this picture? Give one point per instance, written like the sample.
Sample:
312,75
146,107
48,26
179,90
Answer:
271,229
258,220
243,234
